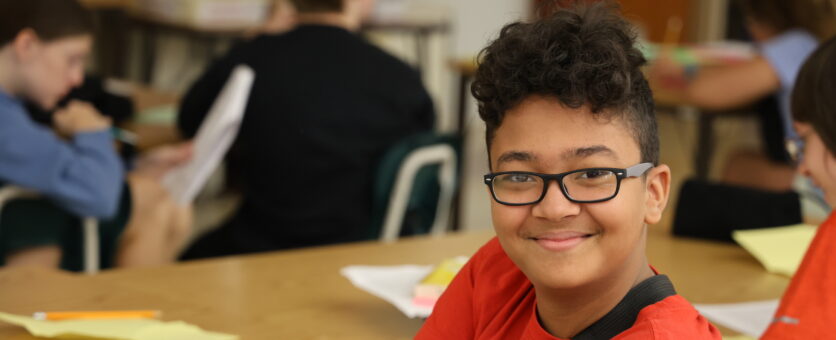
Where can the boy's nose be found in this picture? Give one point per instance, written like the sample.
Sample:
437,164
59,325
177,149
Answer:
555,206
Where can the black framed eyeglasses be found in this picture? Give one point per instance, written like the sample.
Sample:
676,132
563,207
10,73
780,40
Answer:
589,185
795,148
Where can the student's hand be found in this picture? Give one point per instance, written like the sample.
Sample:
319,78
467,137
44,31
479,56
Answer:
159,161
79,117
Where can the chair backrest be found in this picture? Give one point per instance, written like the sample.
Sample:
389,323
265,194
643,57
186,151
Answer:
415,186
90,226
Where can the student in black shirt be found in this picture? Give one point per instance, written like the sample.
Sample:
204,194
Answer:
324,107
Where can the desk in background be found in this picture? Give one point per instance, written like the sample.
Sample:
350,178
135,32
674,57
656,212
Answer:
300,294
119,17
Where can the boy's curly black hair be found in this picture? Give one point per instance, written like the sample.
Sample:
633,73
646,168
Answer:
813,101
581,55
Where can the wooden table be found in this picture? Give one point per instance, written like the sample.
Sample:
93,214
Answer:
301,295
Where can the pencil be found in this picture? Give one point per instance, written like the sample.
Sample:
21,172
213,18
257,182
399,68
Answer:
97,315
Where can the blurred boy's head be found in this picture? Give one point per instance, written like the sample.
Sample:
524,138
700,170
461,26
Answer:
559,95
355,10
814,111
768,18
318,6
46,43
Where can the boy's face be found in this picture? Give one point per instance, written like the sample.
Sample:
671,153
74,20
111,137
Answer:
51,69
817,163
558,243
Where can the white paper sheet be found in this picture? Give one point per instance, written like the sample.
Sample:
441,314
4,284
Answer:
213,139
750,318
391,283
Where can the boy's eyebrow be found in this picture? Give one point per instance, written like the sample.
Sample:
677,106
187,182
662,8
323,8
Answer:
582,152
520,156
587,151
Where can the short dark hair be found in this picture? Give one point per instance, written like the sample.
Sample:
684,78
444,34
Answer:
814,16
50,19
814,94
581,55
314,6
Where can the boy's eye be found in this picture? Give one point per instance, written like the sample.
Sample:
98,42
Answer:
519,178
590,175
594,173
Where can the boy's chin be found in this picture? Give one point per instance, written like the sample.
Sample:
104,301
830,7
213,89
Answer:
47,104
565,279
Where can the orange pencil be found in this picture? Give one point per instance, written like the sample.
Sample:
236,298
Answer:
97,315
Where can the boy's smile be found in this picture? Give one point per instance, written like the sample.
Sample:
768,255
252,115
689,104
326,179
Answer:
558,243
563,240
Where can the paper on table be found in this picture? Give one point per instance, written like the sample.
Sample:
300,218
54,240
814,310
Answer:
125,329
749,318
780,249
391,283
214,137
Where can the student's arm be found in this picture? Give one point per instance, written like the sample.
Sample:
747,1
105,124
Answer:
452,316
731,87
83,175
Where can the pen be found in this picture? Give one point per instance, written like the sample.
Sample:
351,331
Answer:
124,135
97,315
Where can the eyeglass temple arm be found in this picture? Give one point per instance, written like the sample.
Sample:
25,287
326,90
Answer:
637,170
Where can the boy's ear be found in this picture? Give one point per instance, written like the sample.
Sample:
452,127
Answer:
658,184
24,43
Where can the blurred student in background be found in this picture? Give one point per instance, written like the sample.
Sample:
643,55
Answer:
324,106
44,45
808,307
786,32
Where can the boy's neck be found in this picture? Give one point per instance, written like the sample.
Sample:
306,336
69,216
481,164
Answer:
565,313
330,19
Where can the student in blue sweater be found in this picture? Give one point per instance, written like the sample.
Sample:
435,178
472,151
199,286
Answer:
44,45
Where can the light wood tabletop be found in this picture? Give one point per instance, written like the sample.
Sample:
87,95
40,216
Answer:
300,294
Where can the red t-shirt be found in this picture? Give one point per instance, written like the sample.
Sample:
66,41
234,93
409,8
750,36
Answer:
808,308
491,298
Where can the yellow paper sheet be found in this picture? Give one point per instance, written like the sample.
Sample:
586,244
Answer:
780,249
128,329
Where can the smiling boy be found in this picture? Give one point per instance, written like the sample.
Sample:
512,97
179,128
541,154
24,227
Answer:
575,180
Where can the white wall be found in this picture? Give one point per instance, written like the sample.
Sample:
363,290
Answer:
474,23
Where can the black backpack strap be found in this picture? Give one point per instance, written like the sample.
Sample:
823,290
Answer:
624,314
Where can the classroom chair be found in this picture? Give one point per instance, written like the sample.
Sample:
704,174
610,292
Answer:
90,226
414,188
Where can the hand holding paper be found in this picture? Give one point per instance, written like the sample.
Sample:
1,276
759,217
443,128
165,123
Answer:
214,137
